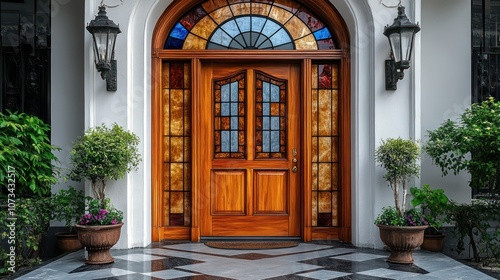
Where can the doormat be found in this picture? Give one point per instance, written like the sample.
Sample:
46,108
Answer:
251,245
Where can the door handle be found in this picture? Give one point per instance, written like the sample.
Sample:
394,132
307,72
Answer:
295,169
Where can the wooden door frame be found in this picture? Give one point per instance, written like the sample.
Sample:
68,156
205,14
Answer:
332,18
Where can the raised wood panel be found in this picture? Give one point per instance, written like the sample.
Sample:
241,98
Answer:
271,192
228,192
326,233
261,226
176,233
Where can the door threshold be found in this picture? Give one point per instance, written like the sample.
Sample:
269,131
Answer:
249,238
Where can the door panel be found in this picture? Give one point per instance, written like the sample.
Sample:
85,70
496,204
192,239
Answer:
271,193
250,166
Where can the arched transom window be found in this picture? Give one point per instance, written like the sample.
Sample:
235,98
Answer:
250,24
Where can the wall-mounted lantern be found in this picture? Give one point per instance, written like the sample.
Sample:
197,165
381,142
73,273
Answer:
401,35
104,32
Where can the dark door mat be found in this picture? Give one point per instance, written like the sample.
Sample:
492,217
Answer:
251,245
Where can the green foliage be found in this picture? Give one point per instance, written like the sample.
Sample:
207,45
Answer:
472,144
68,205
25,147
24,234
390,216
104,153
399,158
480,222
434,203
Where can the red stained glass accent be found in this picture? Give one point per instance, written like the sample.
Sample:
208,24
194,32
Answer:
193,17
325,78
176,75
176,219
312,22
325,219
326,44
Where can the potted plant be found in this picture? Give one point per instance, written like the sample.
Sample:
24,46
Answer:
68,205
400,229
434,205
99,155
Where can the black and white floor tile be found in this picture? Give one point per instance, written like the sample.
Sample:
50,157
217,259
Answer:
306,261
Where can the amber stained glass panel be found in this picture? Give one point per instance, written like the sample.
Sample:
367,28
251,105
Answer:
325,145
176,143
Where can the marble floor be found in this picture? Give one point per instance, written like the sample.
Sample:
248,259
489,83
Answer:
306,261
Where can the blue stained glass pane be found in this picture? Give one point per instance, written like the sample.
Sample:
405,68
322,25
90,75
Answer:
275,93
275,123
266,94
234,141
220,37
173,43
266,141
237,43
266,123
258,24
266,45
275,141
289,46
323,33
234,91
261,41
224,108
225,148
231,28
234,123
281,37
179,31
225,90
234,109
244,23
270,28
266,109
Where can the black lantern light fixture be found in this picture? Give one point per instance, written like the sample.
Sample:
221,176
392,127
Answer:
104,32
401,35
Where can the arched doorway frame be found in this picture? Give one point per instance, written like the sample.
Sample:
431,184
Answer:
331,18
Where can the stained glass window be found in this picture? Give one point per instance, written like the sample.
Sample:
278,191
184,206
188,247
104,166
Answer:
325,145
176,143
250,24
270,114
229,117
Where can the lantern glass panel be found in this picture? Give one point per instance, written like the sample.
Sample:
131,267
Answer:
395,41
406,43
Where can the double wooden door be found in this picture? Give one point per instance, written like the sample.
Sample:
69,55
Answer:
250,169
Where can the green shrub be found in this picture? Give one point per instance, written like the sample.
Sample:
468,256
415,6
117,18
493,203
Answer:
25,148
23,234
399,158
470,144
480,222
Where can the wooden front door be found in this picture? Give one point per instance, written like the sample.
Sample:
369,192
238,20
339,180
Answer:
250,133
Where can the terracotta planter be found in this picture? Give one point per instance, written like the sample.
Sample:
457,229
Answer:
402,240
98,240
68,242
433,242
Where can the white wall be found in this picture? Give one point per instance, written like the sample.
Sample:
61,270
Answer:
446,80
67,74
